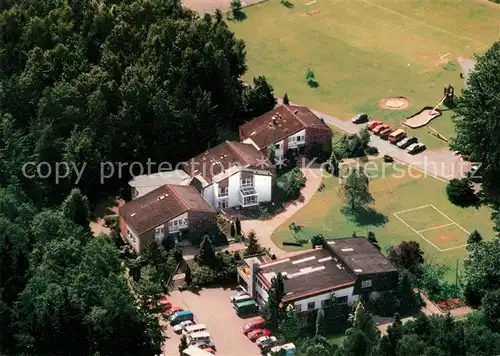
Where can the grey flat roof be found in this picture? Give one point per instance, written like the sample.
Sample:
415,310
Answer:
308,272
360,255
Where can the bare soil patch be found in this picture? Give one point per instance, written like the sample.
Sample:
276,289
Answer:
395,103
422,118
447,237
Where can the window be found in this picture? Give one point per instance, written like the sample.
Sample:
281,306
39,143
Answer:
177,224
223,203
223,192
277,146
159,230
130,236
252,200
342,300
366,284
246,182
326,302
311,305
298,307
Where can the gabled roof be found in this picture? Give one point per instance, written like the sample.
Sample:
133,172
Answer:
161,205
148,182
279,123
229,156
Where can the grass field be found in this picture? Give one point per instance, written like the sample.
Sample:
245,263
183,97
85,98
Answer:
363,51
438,226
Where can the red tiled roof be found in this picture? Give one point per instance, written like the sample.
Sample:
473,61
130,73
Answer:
224,156
279,123
162,205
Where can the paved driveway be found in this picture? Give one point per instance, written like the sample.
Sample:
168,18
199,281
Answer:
211,307
444,163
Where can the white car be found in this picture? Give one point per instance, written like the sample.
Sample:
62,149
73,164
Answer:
182,325
267,341
239,293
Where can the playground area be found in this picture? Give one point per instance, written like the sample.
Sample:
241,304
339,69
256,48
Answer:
364,51
409,206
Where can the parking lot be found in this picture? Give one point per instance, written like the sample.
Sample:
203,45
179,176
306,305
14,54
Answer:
212,308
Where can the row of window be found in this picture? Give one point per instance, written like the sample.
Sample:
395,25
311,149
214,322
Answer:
324,303
297,139
244,183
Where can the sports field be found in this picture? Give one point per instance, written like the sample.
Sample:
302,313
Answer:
408,206
363,51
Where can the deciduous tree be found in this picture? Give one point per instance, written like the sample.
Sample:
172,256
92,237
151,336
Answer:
355,191
461,193
408,256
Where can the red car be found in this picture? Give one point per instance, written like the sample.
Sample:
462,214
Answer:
256,323
254,335
163,304
378,129
172,310
372,124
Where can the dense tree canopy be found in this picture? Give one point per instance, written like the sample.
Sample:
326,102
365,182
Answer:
476,120
88,82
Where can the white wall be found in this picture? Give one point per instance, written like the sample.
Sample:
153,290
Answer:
209,195
300,133
259,291
263,187
279,152
182,216
135,244
318,298
234,189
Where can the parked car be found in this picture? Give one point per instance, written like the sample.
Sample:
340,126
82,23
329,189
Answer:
397,136
181,316
205,345
407,142
378,129
415,148
182,325
267,341
372,124
170,312
361,117
239,292
384,135
252,324
254,335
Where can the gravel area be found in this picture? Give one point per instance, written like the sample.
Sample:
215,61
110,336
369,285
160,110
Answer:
467,66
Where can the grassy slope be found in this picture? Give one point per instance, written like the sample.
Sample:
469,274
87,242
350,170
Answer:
362,51
392,194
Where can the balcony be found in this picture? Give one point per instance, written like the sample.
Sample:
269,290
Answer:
248,197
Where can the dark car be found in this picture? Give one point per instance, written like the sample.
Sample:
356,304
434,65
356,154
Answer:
205,345
407,142
384,135
362,117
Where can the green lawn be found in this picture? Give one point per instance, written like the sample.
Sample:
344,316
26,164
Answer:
362,51
394,192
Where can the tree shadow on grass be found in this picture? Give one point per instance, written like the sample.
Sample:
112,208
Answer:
239,16
288,5
366,217
313,84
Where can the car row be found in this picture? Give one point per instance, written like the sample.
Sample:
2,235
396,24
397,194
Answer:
182,321
397,137
243,304
255,330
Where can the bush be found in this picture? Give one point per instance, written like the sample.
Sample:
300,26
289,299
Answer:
317,240
461,193
370,150
291,183
111,219
203,275
321,187
316,150
311,78
206,227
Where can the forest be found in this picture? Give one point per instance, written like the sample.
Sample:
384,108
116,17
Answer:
87,82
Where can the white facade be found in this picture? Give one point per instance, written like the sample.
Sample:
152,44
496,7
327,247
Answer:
230,195
133,238
279,149
297,139
319,301
178,223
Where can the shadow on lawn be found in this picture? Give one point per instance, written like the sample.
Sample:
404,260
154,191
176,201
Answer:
367,217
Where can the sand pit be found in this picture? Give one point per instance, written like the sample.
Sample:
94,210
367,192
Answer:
422,118
396,103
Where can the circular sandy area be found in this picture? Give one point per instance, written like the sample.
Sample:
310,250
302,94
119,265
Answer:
397,103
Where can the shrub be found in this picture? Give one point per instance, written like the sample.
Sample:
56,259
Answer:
291,184
311,78
111,219
316,151
317,240
461,193
371,150
206,227
285,97
235,6
321,187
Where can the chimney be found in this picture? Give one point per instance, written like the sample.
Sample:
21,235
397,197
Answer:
296,111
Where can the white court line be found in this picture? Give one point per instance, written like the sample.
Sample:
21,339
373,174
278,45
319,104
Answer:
446,216
420,207
438,227
422,171
453,248
415,231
